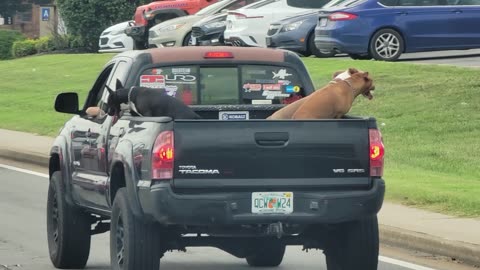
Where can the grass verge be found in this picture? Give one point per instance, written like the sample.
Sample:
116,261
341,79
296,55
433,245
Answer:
429,117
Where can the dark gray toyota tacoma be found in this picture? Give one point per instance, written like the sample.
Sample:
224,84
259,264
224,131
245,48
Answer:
230,180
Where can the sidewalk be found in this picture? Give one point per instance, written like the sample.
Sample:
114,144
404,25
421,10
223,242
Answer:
400,226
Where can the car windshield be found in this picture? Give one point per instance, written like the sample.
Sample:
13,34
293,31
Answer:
226,85
212,8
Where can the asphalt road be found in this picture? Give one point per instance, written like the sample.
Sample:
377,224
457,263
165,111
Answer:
23,237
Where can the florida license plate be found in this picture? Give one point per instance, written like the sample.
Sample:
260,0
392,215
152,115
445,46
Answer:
272,202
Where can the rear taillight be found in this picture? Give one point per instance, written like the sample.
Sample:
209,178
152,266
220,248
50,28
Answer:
218,55
162,156
377,152
342,16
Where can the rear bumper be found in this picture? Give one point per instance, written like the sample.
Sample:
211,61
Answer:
310,207
344,38
287,42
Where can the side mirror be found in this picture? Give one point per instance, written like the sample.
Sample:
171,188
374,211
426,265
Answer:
67,103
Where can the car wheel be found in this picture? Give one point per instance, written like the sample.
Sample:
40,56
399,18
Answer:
134,243
312,48
68,228
187,41
269,254
353,245
386,45
360,56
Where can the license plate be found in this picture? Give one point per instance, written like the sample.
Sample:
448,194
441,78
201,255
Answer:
272,202
268,41
194,41
323,22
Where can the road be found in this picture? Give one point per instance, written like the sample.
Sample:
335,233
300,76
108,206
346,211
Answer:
23,237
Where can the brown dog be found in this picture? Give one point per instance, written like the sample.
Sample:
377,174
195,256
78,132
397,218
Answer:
335,100
288,111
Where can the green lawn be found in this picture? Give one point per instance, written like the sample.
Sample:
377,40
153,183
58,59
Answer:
429,117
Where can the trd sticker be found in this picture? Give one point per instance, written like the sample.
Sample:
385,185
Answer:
292,89
272,87
181,79
281,74
249,87
181,70
152,81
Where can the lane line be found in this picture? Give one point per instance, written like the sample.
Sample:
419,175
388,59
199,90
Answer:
380,258
24,171
403,263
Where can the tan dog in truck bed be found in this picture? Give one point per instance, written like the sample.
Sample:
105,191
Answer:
332,101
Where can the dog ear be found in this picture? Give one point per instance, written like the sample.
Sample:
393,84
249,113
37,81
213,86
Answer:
352,71
118,85
110,91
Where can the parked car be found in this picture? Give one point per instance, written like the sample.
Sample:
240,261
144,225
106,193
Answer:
384,29
178,32
151,14
114,39
210,30
248,27
297,34
231,180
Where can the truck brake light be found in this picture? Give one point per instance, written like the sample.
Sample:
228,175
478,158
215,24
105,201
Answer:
377,152
163,156
342,16
218,55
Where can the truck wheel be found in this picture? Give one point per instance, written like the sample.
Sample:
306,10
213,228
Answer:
134,243
386,45
269,254
68,228
312,48
353,245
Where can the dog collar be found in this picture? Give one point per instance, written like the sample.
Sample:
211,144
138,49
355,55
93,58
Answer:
131,104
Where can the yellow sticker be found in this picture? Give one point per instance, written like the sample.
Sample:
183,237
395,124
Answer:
296,89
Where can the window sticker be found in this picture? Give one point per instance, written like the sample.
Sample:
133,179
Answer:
171,90
284,82
281,74
249,87
272,87
181,79
265,81
274,94
256,72
261,101
152,81
181,70
292,89
157,71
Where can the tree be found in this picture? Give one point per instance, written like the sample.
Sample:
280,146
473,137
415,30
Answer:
87,19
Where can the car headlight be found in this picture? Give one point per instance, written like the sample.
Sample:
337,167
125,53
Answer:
215,25
291,26
170,27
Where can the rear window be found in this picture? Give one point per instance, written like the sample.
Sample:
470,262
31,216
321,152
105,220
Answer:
343,3
226,85
307,3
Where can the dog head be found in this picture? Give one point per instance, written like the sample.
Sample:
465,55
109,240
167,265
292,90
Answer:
364,83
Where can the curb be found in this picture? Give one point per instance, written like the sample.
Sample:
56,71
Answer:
32,158
460,251
393,236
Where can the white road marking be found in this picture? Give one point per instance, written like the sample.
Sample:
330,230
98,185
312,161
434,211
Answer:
403,263
24,171
380,258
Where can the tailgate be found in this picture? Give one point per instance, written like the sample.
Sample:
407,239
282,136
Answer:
273,154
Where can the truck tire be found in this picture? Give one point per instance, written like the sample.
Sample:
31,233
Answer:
353,245
269,254
134,243
68,228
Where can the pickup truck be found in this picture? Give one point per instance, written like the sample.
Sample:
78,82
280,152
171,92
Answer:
231,180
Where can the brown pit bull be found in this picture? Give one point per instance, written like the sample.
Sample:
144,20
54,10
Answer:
288,111
335,100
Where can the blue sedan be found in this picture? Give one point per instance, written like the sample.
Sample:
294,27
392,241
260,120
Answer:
384,29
